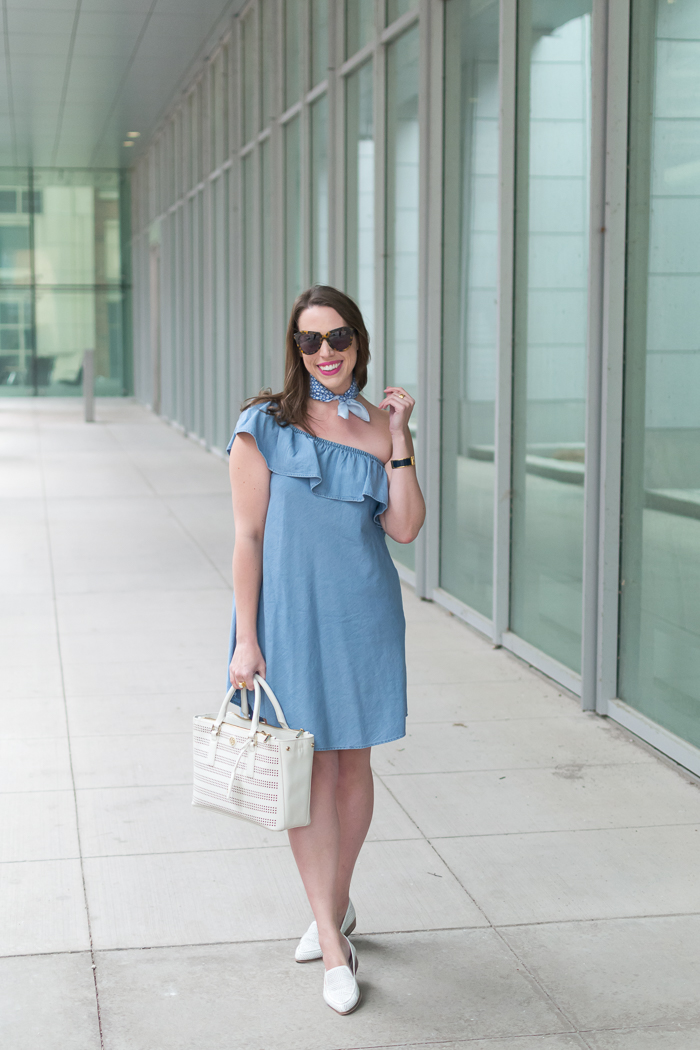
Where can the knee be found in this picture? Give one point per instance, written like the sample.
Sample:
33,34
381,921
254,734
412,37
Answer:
354,767
325,769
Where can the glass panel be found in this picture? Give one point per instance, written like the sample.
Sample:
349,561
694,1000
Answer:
250,71
178,158
219,123
68,324
292,203
402,227
319,191
268,60
253,374
396,8
292,52
319,41
15,233
76,228
72,219
359,25
553,145
19,371
267,249
660,581
359,192
196,113
469,306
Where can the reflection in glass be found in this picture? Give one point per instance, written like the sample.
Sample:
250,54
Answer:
72,296
470,304
220,333
267,248
319,41
292,223
18,371
660,579
553,144
396,8
359,192
402,226
292,52
268,59
251,349
219,122
249,55
319,191
195,133
359,25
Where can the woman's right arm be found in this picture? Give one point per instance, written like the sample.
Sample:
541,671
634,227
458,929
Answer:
250,489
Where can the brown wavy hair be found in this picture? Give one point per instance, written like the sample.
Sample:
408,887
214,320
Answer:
291,405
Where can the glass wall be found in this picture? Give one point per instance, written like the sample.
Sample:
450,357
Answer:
296,155
292,193
319,191
402,224
359,191
359,25
660,578
553,163
470,243
61,285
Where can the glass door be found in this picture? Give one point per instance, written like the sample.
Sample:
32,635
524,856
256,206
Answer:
470,235
551,276
402,155
659,668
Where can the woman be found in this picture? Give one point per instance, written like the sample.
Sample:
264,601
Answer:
318,607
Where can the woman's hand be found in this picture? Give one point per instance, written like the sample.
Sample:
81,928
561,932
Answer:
400,405
247,661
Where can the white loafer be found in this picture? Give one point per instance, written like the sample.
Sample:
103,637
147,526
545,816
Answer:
340,988
308,947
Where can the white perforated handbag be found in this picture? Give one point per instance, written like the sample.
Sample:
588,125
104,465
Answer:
249,769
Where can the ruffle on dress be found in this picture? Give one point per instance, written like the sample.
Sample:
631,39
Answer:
350,477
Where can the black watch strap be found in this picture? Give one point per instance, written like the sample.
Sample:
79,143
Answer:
410,462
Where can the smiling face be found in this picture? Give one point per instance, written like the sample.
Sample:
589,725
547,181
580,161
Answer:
333,368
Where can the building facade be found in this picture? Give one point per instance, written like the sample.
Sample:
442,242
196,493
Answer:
511,192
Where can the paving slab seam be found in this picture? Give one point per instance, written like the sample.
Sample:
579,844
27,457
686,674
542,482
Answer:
70,751
535,981
187,852
602,918
163,501
554,831
437,855
574,717
457,1042
520,769
681,1026
105,787
543,989
273,940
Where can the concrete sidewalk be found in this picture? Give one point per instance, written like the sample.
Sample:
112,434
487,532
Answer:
531,878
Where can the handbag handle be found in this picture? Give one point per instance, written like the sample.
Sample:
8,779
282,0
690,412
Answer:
259,682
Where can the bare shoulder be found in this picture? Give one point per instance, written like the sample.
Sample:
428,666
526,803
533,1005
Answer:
379,421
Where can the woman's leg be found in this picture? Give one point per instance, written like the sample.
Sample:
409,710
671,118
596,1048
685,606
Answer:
342,794
355,803
316,850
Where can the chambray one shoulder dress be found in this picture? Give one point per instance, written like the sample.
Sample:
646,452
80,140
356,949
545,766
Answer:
330,617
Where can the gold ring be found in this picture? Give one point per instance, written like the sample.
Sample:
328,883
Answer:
402,395
241,685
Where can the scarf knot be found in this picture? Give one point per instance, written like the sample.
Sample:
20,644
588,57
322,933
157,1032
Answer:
346,402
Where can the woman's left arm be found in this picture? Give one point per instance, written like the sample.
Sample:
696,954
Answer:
403,518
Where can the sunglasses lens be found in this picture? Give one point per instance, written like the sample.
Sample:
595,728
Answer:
308,342
341,339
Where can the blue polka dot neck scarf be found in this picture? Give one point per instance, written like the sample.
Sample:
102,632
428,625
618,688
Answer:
346,401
